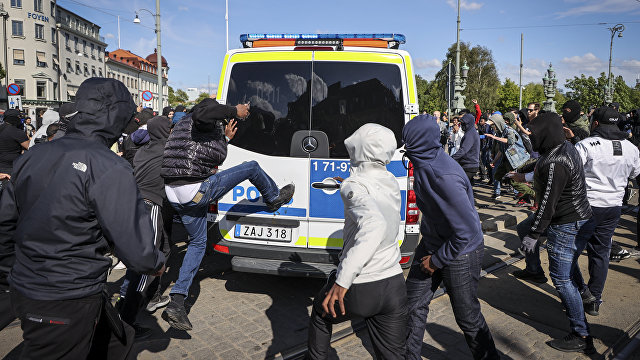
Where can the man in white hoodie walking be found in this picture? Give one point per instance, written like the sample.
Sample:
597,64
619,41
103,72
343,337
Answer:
368,282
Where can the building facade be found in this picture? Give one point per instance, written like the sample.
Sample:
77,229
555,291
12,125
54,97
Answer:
192,94
139,75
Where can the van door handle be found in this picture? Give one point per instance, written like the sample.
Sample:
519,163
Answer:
328,184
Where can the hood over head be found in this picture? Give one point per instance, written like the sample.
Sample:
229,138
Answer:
12,117
371,143
421,136
166,110
143,116
49,117
574,113
546,132
468,122
498,121
509,119
67,110
159,128
104,109
177,116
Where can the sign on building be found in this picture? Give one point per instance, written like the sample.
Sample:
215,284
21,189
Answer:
15,100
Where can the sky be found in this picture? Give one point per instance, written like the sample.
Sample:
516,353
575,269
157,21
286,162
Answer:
569,34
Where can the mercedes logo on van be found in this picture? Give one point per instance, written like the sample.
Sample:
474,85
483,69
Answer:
309,144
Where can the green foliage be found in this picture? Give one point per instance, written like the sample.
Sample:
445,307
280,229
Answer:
202,96
508,95
590,91
482,82
177,97
429,97
2,72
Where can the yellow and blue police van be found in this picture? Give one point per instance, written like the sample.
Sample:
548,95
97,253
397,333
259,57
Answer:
307,94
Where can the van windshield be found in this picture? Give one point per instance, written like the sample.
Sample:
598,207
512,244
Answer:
343,96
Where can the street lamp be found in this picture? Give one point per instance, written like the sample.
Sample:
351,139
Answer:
550,82
460,80
608,92
158,47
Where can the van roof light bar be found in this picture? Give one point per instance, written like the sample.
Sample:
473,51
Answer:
391,41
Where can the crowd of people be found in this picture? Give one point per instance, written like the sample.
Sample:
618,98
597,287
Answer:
107,178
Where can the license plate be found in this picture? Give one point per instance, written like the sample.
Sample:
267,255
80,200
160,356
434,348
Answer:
257,232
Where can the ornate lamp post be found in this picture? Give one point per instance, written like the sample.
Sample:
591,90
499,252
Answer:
460,82
608,89
159,50
550,82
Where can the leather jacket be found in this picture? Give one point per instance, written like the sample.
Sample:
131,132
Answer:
560,187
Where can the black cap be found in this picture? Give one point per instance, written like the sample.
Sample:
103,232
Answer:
606,115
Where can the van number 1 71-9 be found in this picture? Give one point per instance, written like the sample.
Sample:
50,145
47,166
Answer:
331,166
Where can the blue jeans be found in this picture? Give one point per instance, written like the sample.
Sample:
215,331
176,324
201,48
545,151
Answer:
532,260
597,233
563,242
461,280
194,213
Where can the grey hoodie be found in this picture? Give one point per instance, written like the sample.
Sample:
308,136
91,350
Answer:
49,117
371,198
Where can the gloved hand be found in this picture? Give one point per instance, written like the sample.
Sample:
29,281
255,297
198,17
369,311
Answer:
528,244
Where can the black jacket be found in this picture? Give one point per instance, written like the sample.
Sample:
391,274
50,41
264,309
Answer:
72,199
468,156
197,145
148,160
561,191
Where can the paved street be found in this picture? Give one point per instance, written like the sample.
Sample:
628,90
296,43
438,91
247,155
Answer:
249,316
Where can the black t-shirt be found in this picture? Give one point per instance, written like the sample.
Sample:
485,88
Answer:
10,148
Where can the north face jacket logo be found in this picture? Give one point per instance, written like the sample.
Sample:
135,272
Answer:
80,166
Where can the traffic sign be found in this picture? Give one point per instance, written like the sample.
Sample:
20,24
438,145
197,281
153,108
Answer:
13,89
147,104
147,95
15,100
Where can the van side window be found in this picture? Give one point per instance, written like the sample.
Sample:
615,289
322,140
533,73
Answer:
347,95
279,95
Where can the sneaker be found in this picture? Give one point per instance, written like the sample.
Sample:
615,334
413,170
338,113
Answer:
533,207
587,296
573,343
522,203
527,275
592,308
620,255
158,302
176,316
286,193
495,196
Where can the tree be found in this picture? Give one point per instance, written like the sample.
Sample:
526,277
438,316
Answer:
429,99
181,96
508,95
172,96
482,82
587,90
2,72
202,96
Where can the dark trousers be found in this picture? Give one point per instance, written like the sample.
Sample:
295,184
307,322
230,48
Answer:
68,329
470,172
140,287
382,304
599,231
6,313
461,280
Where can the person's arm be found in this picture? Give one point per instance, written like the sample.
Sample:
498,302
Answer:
8,221
125,220
456,208
522,128
363,210
25,144
556,179
465,146
478,111
502,140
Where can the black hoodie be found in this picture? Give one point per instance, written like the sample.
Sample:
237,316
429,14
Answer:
148,160
69,201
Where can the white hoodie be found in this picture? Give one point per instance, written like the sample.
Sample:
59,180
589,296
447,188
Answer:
371,198
49,117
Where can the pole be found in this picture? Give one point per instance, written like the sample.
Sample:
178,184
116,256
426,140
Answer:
5,15
119,32
609,95
226,19
458,45
159,56
449,91
520,84
208,85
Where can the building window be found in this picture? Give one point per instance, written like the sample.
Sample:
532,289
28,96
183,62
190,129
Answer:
69,66
100,72
41,59
55,91
84,47
86,70
53,12
66,41
53,35
16,28
18,57
75,43
21,83
16,3
39,31
78,70
93,71
41,90
37,5
92,49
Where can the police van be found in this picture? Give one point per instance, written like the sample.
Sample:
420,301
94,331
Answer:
307,94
